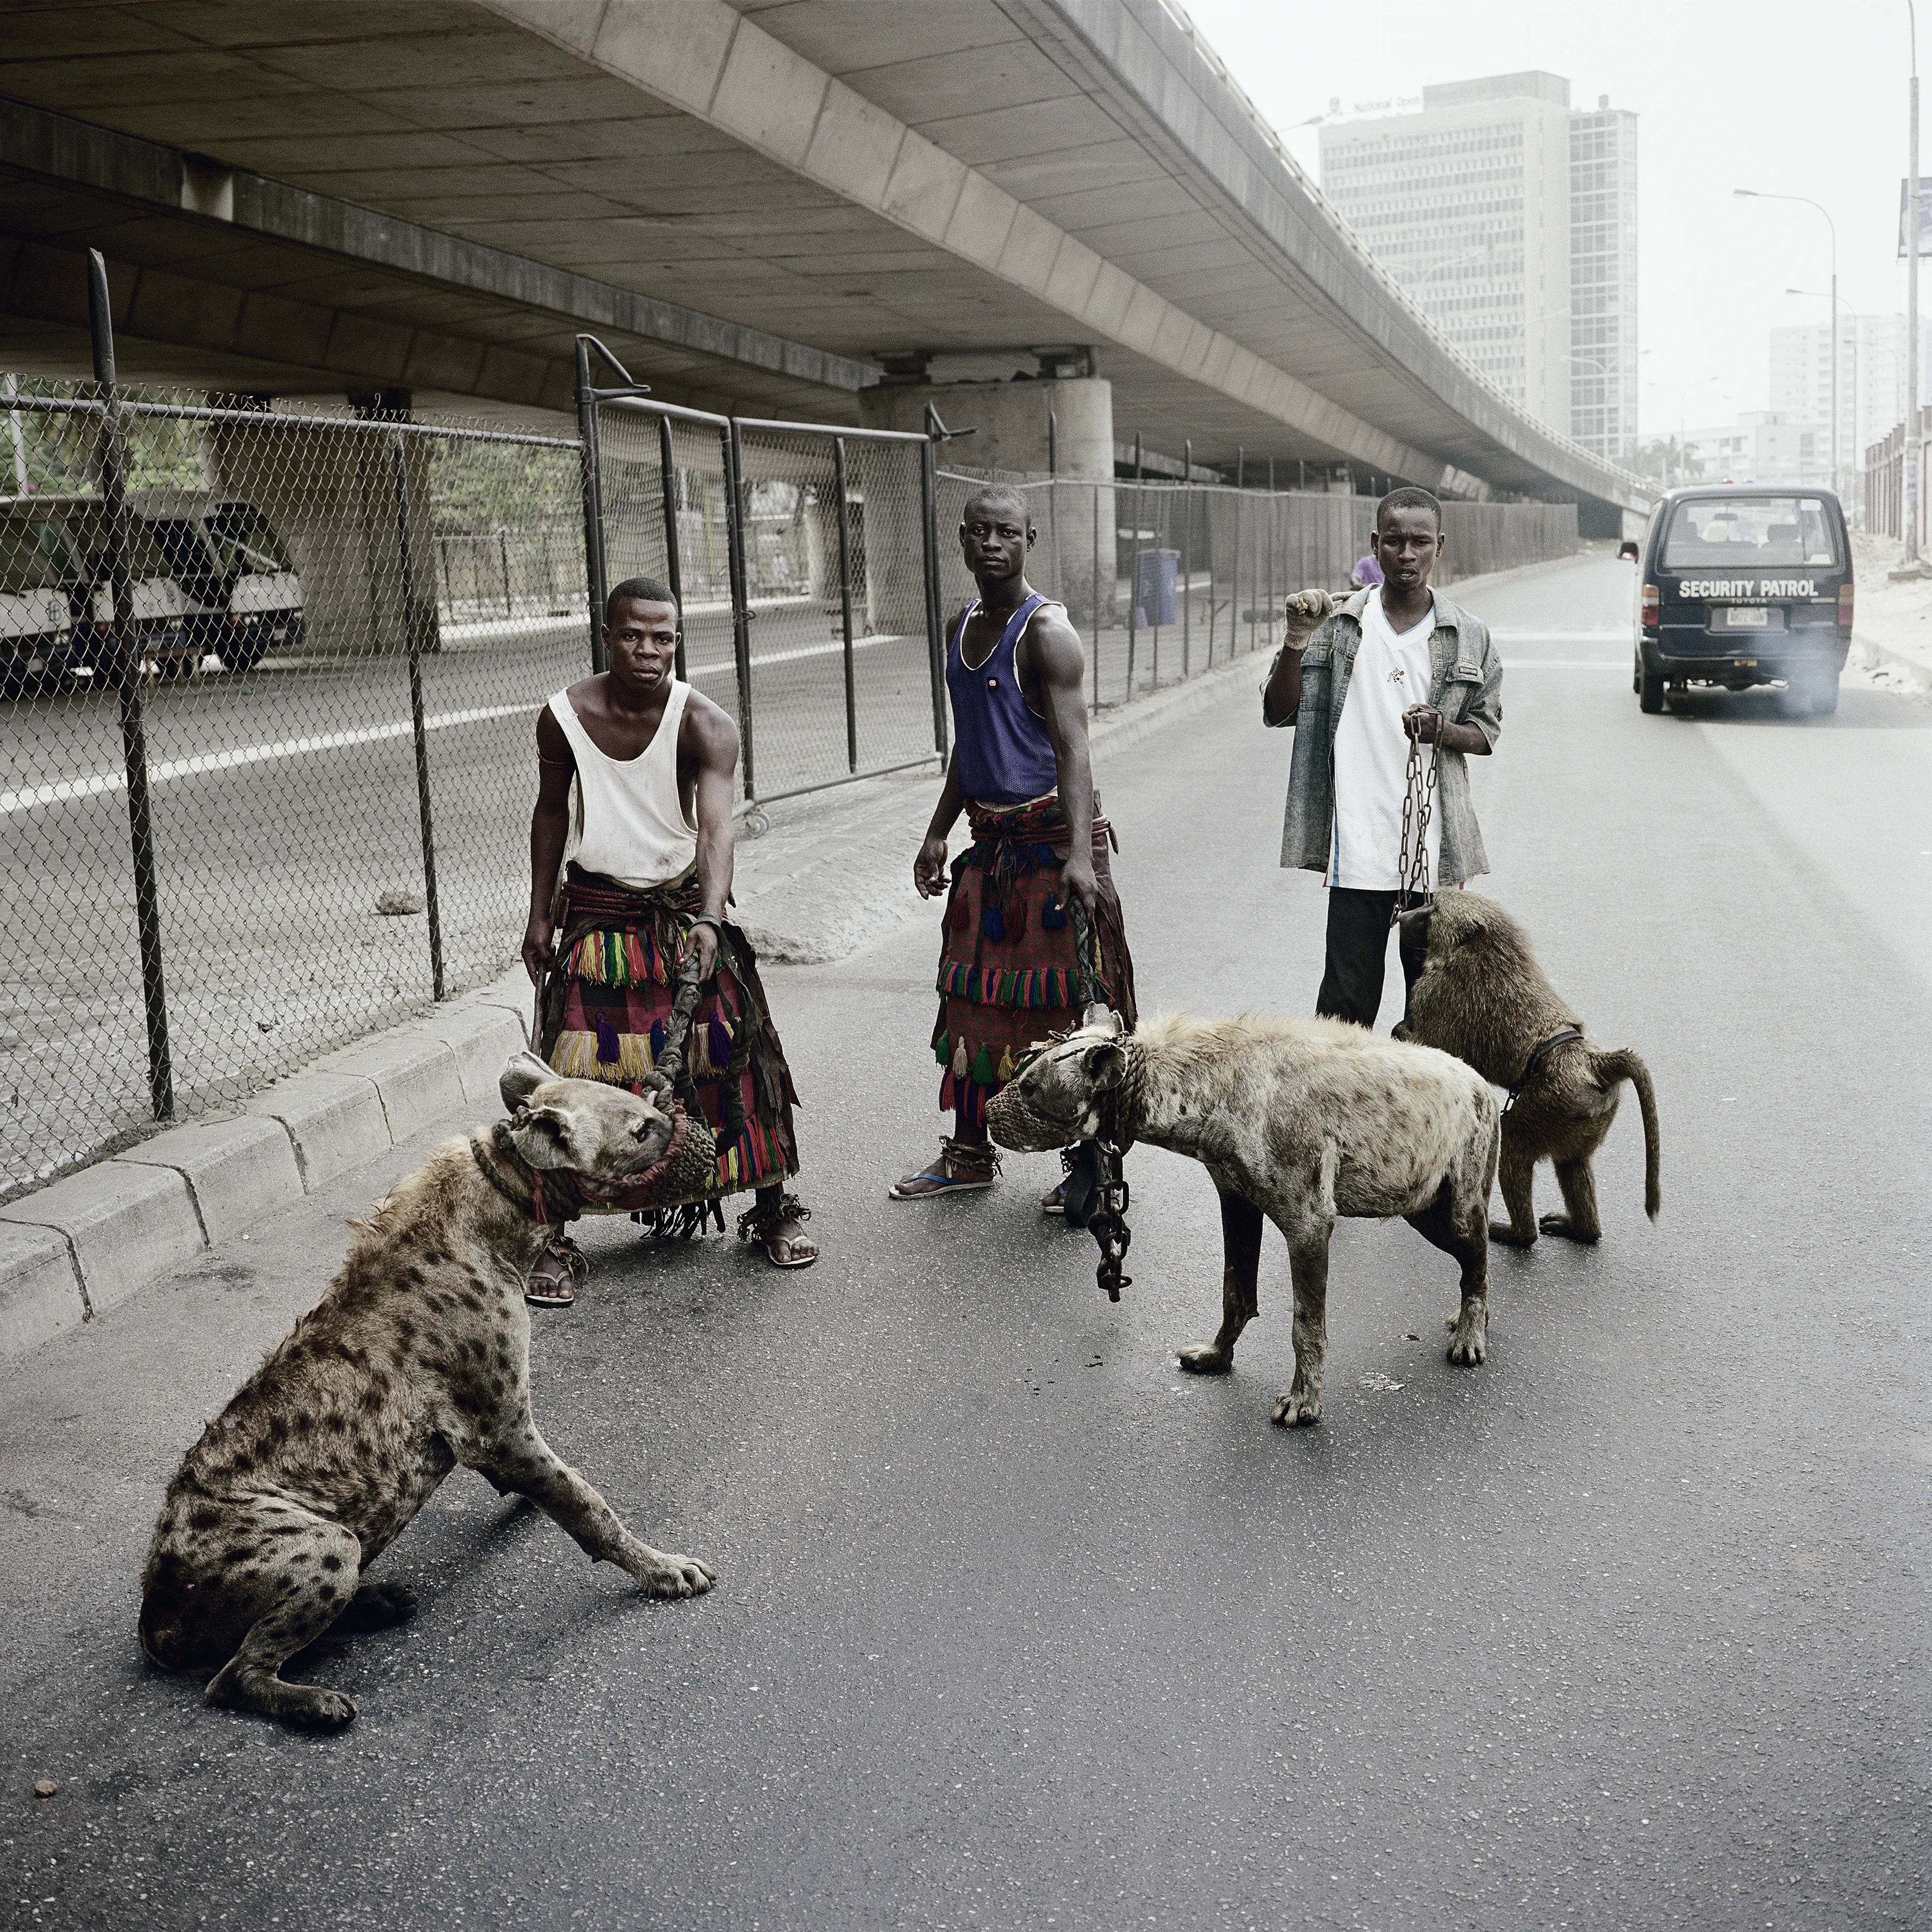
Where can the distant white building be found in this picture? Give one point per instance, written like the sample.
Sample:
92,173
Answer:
1761,446
1871,378
1602,280
1511,222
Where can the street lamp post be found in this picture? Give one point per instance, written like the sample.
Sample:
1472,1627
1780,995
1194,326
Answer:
1909,493
1754,194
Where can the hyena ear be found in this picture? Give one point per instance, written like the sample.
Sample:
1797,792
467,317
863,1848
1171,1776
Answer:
1473,931
541,1136
521,1078
1105,1066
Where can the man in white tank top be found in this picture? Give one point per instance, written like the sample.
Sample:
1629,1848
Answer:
653,763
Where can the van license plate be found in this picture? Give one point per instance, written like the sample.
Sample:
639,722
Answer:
1747,617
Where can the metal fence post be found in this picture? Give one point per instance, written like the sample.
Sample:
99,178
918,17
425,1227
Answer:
935,648
503,552
1274,538
845,601
673,560
1186,559
1234,572
593,504
1134,571
1096,597
736,511
126,657
418,729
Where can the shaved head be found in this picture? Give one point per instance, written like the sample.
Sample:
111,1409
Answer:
998,497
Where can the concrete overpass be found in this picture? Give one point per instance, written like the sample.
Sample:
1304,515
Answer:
823,208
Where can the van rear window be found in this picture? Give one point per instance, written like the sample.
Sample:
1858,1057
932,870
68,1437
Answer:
1751,533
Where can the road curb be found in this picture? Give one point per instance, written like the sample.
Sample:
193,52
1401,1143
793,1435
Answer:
83,1245
236,1170
40,1293
125,1224
1872,657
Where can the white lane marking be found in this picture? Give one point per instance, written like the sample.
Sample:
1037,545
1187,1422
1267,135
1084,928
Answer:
27,798
1557,635
1568,664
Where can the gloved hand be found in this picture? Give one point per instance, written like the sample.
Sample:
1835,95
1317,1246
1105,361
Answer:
1302,615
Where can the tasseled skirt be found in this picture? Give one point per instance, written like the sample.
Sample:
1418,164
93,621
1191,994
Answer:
605,1005
1006,977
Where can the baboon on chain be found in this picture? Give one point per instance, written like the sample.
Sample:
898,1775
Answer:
1482,996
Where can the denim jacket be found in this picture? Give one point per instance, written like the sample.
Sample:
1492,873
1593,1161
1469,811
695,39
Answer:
1466,685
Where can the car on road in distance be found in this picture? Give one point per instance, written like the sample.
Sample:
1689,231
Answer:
244,596
38,571
1743,584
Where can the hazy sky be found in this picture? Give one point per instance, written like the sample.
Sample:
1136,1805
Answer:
1808,100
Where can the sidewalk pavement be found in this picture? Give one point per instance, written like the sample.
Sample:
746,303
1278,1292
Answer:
830,874
1892,631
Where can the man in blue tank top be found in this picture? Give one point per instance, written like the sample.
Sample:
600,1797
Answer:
1020,772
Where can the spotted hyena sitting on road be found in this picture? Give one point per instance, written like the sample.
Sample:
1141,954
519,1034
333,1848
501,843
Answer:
416,1358
1298,1121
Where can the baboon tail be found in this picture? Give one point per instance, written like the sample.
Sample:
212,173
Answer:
1623,1064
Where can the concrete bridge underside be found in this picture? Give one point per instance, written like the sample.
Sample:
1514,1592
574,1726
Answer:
764,206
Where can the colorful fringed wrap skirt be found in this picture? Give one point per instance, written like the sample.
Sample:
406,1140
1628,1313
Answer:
605,1005
1006,975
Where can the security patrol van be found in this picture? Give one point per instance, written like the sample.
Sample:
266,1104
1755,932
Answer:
1742,584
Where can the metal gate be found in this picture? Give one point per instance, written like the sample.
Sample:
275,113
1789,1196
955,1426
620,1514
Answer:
803,558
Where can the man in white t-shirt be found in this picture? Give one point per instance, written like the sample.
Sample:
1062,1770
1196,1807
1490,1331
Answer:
1393,664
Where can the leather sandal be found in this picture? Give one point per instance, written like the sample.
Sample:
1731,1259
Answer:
767,1226
964,1167
561,1270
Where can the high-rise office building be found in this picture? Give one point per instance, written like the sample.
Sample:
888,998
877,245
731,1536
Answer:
1510,220
1602,280
1871,379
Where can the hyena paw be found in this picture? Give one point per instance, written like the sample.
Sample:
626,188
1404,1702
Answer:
659,1575
1502,1233
378,1606
1468,1339
1297,1408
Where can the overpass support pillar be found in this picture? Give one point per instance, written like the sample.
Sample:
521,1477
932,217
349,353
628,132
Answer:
1022,427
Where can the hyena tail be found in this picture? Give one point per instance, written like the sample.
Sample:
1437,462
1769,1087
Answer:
1623,1064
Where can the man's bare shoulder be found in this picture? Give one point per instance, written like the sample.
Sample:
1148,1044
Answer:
1051,640
707,728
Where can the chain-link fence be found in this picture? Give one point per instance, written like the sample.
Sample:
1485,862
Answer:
1164,580
268,757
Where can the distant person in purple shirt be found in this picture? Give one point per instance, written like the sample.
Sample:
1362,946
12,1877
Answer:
1367,573
1019,770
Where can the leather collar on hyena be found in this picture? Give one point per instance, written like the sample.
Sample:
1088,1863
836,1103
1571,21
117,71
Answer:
415,1359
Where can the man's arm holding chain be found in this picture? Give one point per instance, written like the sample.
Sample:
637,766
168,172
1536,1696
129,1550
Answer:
1052,648
709,739
550,832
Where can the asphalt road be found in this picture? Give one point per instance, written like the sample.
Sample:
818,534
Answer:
1014,1626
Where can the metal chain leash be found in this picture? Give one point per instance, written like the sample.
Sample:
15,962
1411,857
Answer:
1418,803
